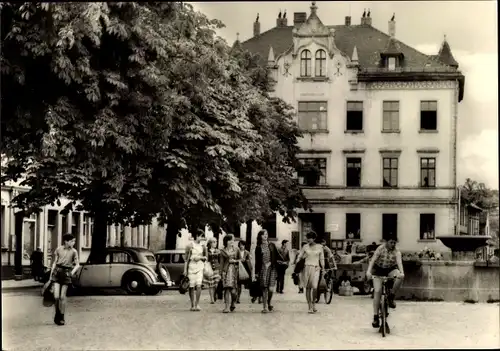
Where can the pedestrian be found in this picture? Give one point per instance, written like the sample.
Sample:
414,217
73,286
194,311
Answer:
247,264
300,274
36,261
266,256
230,258
314,263
283,262
213,257
193,268
65,265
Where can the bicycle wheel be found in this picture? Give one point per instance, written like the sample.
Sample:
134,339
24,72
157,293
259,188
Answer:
329,292
383,319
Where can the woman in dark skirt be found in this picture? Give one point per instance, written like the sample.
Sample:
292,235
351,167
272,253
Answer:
265,268
213,256
247,263
230,258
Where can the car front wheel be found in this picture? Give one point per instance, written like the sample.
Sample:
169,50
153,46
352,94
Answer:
134,284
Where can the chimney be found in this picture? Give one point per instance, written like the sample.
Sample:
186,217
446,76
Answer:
392,26
366,19
281,21
347,20
299,18
256,27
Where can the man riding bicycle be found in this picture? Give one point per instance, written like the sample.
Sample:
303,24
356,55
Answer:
386,262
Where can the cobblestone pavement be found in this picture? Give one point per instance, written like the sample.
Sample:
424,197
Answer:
164,322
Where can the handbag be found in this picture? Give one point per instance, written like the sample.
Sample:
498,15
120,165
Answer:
299,267
48,294
184,285
242,273
255,289
208,272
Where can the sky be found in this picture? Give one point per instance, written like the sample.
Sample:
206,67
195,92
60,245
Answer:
470,28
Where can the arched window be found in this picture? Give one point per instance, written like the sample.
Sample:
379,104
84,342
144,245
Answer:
305,63
320,63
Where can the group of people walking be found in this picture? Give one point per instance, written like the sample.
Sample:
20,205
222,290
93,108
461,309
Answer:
232,267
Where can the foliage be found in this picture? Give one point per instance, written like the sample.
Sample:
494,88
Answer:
268,179
136,110
478,194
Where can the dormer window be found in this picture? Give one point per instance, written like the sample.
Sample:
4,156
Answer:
320,63
305,63
392,57
391,63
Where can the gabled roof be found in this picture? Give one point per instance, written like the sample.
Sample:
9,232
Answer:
369,41
392,47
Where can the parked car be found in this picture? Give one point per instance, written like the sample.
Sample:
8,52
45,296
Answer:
133,269
173,260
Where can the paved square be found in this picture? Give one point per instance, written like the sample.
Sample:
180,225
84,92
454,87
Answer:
165,322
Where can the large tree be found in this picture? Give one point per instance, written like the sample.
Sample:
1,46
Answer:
268,179
134,110
479,194
116,106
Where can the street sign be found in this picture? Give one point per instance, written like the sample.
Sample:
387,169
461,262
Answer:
333,227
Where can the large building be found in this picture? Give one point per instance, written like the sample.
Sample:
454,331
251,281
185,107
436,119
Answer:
380,122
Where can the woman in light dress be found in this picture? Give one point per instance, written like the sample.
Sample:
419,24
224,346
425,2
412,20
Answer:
314,263
213,256
193,268
230,258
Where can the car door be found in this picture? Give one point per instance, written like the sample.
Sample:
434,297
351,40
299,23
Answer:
176,266
95,274
121,262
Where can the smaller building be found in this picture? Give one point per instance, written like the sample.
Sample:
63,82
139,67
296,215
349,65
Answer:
470,215
21,236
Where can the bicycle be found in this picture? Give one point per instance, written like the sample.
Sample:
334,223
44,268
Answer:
383,308
329,282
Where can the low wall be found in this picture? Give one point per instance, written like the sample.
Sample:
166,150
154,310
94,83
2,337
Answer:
452,281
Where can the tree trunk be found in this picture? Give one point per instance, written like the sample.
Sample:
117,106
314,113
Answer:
249,234
216,230
173,228
99,236
18,254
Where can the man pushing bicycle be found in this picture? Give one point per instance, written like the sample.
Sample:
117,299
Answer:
385,262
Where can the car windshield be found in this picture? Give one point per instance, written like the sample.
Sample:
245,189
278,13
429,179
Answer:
150,258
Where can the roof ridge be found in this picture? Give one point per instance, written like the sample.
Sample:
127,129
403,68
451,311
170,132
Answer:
267,31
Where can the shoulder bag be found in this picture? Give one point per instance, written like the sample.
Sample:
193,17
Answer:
208,272
184,283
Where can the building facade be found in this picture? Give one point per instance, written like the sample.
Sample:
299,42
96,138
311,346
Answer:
380,124
45,230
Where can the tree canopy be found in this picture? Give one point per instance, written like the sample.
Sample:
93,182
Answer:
137,110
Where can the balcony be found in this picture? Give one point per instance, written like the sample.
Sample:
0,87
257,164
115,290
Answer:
408,70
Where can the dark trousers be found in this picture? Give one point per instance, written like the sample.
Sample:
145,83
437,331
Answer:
280,280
